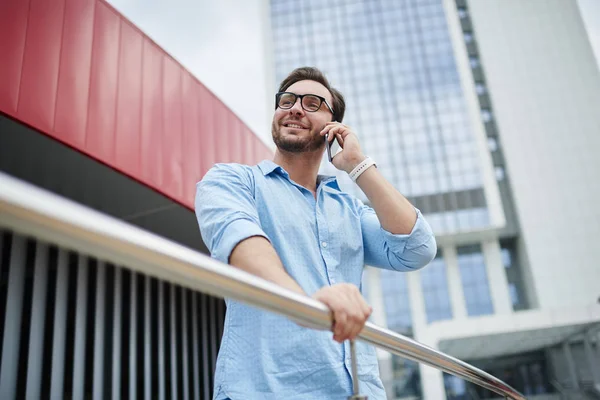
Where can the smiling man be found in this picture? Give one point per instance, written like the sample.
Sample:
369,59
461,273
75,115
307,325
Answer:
283,222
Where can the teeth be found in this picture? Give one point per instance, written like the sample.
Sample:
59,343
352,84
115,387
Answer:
294,126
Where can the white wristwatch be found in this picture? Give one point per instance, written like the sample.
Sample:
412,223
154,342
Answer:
360,168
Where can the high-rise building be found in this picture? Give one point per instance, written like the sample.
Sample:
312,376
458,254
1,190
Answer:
485,115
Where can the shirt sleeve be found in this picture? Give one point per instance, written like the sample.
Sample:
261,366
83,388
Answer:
405,252
226,210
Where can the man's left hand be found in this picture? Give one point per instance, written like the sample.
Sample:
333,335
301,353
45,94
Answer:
351,155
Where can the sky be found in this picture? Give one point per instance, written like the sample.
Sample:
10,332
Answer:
226,44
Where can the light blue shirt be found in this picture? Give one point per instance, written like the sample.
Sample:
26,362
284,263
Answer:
321,242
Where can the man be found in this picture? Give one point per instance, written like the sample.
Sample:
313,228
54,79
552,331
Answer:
282,221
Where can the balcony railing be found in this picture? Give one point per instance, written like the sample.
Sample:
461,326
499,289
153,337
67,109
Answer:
28,210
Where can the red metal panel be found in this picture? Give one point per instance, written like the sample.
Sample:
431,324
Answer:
249,140
129,100
37,96
206,104
191,137
221,131
152,118
173,131
236,143
13,28
78,71
74,73
100,135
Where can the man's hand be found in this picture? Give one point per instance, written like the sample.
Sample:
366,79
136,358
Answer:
349,308
351,155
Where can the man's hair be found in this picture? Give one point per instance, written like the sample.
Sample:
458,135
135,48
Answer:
313,74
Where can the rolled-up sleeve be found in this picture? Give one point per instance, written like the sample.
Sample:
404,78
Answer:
406,252
226,210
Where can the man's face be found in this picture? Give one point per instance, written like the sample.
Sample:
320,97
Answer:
297,130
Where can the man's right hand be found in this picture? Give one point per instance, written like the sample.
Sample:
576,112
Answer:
349,308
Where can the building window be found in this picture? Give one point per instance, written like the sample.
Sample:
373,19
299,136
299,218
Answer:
474,280
480,88
513,275
396,300
462,12
492,144
468,36
499,170
434,285
486,115
474,61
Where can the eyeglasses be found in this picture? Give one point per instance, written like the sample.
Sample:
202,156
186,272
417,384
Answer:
309,102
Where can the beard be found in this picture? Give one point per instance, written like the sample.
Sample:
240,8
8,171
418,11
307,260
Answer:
296,144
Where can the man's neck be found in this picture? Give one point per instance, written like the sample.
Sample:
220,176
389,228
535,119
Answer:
303,168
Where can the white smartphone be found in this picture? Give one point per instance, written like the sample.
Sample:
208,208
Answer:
333,147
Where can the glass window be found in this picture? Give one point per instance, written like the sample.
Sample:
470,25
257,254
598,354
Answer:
480,88
434,285
468,37
499,170
474,280
492,144
396,300
513,275
474,61
462,12
486,115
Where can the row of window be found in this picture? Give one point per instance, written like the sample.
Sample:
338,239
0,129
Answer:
434,287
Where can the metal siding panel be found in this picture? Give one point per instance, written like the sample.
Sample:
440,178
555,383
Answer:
211,316
191,138
220,318
12,318
74,72
147,340
161,341
152,127
129,101
38,317
234,134
206,373
222,132
80,328
249,139
116,334
184,344
37,95
196,339
60,326
133,336
173,131
173,337
103,84
98,382
206,130
13,31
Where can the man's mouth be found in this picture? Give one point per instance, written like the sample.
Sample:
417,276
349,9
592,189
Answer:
293,125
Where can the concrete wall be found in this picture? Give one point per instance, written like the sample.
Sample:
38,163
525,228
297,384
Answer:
545,89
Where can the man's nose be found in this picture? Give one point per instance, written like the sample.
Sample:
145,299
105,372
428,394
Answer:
297,108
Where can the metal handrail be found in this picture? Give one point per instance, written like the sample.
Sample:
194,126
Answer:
33,211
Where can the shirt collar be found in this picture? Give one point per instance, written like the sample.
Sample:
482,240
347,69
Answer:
268,166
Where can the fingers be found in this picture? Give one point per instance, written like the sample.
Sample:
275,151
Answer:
349,308
334,128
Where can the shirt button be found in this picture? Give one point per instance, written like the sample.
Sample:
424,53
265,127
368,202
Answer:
324,244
